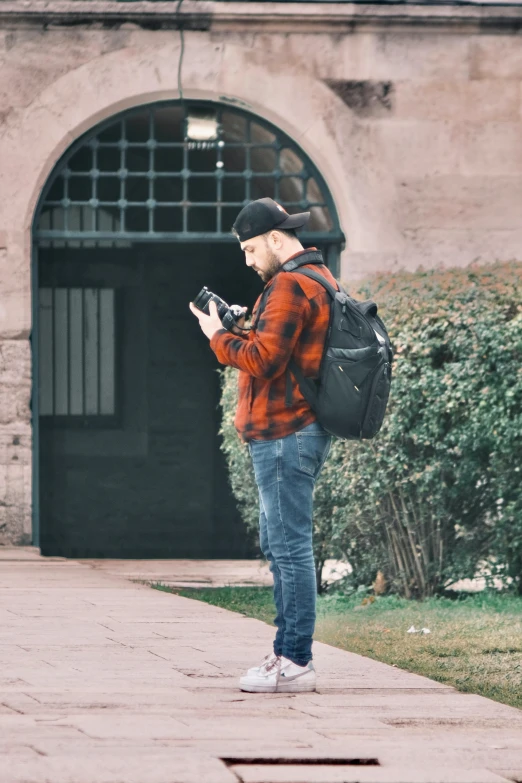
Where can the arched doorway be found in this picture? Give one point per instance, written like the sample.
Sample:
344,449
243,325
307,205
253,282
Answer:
134,220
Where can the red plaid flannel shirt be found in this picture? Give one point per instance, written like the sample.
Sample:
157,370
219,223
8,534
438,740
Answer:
293,324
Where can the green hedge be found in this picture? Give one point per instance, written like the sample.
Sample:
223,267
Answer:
437,493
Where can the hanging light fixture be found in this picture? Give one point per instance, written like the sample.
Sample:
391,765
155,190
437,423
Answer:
201,125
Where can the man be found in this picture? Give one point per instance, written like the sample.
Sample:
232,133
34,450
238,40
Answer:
287,445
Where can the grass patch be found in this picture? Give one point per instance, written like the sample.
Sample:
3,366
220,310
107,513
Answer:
475,643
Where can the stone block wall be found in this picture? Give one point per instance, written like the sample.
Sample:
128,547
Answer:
15,395
412,113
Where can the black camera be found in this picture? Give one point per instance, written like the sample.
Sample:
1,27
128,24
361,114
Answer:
229,314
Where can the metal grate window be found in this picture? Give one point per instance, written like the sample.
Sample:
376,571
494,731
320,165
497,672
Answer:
139,177
77,352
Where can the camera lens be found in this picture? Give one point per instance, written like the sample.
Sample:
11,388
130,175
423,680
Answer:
222,306
225,313
202,299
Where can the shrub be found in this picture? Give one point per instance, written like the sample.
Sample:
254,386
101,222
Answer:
240,470
437,492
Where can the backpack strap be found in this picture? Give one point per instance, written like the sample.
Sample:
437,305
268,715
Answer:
308,257
306,385
313,275
259,311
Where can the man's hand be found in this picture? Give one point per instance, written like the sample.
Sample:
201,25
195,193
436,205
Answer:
210,324
241,323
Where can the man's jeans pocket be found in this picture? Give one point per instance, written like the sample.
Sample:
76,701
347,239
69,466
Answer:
313,447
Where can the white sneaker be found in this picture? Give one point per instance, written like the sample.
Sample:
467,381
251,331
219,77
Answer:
280,676
267,661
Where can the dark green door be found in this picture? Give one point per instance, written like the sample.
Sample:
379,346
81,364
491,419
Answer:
130,464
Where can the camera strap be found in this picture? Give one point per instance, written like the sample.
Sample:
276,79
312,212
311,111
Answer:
261,307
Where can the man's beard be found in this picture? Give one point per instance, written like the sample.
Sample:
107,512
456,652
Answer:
273,265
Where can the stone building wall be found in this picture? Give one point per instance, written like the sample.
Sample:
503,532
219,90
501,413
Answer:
411,113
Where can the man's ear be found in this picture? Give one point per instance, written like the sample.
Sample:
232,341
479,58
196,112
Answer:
276,239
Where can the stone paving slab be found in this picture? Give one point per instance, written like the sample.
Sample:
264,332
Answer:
103,680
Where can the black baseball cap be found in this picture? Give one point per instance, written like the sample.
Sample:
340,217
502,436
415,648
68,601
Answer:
265,215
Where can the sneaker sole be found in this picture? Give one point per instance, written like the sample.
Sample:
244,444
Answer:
285,687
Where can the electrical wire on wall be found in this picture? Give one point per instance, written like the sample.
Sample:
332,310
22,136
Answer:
200,126
181,52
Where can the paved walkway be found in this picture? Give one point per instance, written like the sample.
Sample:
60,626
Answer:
103,680
202,573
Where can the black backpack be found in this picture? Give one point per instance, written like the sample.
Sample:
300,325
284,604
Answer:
351,393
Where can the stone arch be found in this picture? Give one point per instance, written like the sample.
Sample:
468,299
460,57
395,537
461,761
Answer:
94,92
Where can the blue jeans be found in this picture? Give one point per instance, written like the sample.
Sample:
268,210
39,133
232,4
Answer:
286,470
